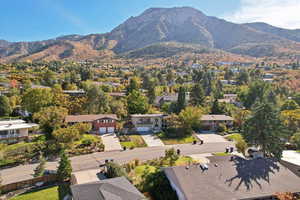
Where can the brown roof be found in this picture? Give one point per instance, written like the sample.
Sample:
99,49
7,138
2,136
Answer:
216,118
89,118
236,179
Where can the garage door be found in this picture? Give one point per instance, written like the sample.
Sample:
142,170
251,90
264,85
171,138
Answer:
111,129
102,130
143,129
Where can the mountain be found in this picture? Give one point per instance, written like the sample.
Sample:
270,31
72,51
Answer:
285,33
163,32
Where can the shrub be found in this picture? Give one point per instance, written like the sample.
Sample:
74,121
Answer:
115,170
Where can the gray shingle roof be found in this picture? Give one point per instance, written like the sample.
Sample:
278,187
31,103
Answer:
237,179
110,189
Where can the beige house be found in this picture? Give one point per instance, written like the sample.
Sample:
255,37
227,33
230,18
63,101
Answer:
213,121
14,130
147,122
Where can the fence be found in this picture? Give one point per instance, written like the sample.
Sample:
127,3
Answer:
28,183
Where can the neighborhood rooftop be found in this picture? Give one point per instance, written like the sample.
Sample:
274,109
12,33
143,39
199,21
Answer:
147,115
237,179
15,124
216,118
110,189
89,118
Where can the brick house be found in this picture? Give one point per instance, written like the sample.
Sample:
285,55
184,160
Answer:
101,124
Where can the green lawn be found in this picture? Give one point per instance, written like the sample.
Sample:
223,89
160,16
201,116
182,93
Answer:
234,137
184,160
221,154
139,170
182,140
44,194
133,141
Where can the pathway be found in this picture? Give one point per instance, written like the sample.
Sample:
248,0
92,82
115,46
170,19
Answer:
111,142
151,140
211,138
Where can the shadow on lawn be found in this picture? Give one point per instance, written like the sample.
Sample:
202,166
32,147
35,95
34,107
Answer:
254,171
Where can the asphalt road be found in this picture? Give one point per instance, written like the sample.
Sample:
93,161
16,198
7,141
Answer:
92,161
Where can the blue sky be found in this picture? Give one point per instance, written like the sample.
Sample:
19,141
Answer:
28,20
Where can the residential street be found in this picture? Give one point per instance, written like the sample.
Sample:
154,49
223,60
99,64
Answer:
92,161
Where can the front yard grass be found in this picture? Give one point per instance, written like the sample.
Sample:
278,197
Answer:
234,137
182,140
221,154
45,194
132,141
137,173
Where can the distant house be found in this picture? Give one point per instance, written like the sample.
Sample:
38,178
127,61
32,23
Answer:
268,76
212,122
228,82
101,124
227,178
14,130
147,122
109,189
74,93
228,98
117,94
167,98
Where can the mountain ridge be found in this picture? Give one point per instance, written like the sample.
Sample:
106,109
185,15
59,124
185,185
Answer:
153,30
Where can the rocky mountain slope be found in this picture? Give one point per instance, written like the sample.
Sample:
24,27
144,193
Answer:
162,32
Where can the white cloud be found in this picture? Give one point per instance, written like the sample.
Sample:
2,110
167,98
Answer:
281,13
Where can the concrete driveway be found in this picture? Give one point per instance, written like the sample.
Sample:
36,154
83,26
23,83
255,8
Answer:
111,142
291,156
211,138
151,139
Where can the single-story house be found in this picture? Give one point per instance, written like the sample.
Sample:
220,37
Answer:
147,122
109,189
227,178
232,97
75,93
14,130
167,98
213,121
101,124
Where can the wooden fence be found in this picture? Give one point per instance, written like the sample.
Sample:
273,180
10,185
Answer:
28,183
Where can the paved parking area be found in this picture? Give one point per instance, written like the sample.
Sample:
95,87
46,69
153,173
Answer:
151,140
111,142
211,138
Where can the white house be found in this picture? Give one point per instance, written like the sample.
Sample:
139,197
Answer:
14,130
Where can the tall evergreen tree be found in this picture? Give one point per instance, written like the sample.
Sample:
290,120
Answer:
197,95
181,101
265,129
216,108
40,169
5,109
133,85
151,93
64,169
